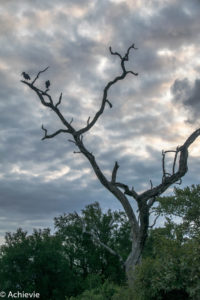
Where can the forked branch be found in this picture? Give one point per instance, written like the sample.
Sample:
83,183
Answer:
171,179
108,86
39,75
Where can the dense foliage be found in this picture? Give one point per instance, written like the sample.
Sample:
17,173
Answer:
73,264
81,236
71,260
171,261
35,263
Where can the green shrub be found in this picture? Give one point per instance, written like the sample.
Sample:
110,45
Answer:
106,291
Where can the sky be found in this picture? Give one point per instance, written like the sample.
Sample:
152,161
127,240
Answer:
155,111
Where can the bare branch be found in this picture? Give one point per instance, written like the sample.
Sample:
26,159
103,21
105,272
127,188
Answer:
59,101
131,72
109,103
115,53
135,195
107,87
40,94
71,141
151,201
163,163
171,179
39,75
46,136
114,172
179,182
126,189
166,174
154,222
170,151
190,140
88,121
175,158
151,183
127,53
49,97
45,130
50,104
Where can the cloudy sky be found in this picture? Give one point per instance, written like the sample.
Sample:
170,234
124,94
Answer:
157,110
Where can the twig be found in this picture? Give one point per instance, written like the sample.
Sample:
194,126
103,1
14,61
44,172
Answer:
109,103
71,141
59,101
115,53
175,157
126,189
151,183
46,136
114,172
154,222
32,83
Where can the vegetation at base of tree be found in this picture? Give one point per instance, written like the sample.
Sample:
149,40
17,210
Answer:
73,264
171,260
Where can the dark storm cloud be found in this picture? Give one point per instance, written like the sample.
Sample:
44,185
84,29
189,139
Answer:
189,95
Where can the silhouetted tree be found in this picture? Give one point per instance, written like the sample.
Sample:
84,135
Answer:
144,200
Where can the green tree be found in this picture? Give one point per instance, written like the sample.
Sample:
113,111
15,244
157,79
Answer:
92,241
171,260
35,263
184,205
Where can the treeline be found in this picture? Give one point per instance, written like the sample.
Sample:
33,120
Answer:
73,263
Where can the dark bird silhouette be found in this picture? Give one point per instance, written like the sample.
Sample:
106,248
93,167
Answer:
47,83
26,76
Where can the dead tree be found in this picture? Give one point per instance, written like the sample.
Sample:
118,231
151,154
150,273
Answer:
145,200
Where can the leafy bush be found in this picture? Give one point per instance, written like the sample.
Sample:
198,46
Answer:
102,292
172,274
106,291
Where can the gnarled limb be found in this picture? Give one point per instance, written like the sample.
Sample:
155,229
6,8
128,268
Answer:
41,95
107,87
182,169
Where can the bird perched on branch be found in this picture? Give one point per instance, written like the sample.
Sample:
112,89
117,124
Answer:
47,83
26,76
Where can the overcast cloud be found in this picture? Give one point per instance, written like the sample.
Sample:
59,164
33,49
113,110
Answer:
156,110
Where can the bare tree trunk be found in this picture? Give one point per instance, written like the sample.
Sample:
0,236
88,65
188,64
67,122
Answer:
145,200
132,261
